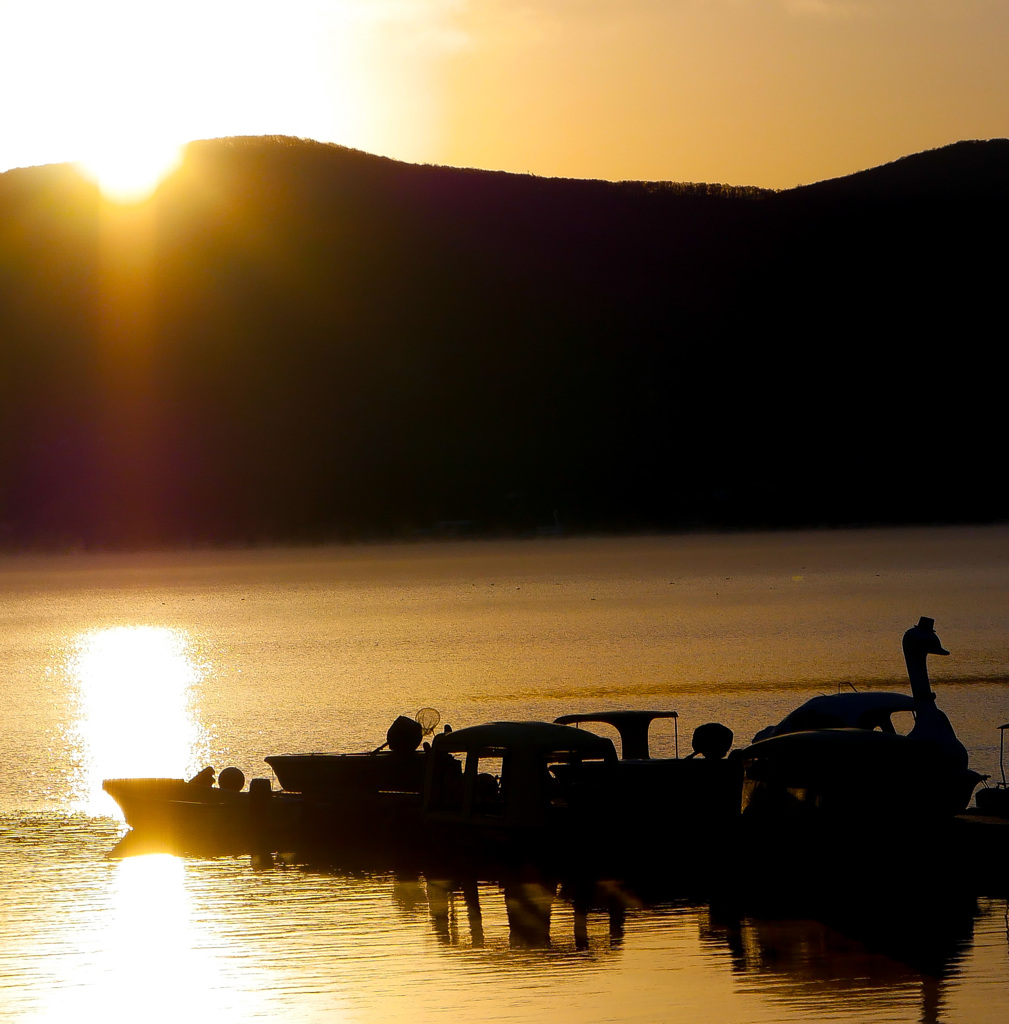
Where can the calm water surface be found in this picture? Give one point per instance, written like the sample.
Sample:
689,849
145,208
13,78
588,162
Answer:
151,665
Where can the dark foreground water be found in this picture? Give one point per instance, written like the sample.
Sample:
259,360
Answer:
159,665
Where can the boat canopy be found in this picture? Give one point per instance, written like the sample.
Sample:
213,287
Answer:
870,710
542,737
632,726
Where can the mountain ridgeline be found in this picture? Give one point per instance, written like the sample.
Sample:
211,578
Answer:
296,341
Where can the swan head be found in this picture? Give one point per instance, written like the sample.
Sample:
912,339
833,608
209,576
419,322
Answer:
929,722
922,639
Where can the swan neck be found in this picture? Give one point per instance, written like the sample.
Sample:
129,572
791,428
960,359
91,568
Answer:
917,672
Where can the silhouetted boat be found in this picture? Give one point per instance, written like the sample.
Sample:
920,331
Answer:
197,817
363,804
840,755
834,792
561,798
700,793
834,779
518,790
633,728
397,766
502,787
350,802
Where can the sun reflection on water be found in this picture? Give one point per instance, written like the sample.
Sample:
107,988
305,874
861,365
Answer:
135,709
152,903
153,954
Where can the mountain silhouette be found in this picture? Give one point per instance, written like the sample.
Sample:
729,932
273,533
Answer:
298,341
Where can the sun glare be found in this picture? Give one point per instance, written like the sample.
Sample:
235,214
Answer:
115,86
134,709
130,172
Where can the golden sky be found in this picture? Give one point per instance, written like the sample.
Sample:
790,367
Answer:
755,92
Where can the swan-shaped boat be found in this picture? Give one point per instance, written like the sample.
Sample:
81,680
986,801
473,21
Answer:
841,756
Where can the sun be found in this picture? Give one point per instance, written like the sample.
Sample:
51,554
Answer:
131,170
118,86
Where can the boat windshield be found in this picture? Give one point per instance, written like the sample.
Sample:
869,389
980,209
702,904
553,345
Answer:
574,779
902,722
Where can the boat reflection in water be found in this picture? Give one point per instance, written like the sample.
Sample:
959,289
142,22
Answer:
870,964
529,907
871,959
874,959
207,939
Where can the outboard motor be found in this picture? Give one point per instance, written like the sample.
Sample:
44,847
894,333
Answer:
232,779
712,741
404,735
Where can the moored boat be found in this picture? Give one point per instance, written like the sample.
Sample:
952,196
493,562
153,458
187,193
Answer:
834,796
397,766
835,779
519,791
348,804
841,756
363,805
197,817
869,710
697,795
559,798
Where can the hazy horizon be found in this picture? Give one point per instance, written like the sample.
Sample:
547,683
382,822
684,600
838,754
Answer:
773,94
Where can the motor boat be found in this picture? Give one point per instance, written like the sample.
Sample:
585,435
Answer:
363,803
345,802
562,798
507,791
197,817
632,727
397,766
700,792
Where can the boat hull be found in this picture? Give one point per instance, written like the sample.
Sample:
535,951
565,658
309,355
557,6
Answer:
181,817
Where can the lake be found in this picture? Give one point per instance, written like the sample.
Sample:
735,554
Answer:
144,664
